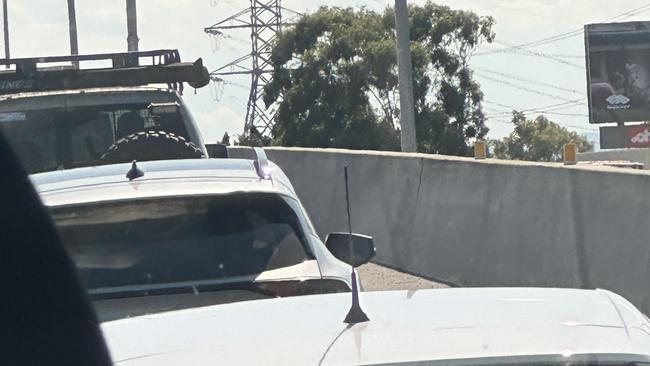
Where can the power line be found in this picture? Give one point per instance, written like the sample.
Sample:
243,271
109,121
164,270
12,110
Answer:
518,78
551,107
538,111
533,110
630,13
498,115
515,49
561,124
561,36
510,48
503,121
524,88
545,54
556,38
579,31
526,52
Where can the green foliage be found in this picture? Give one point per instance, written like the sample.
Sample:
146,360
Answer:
225,140
537,140
253,138
335,79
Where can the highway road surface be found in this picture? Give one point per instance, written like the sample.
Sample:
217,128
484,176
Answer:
375,277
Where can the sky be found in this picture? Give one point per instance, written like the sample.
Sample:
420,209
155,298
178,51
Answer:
548,75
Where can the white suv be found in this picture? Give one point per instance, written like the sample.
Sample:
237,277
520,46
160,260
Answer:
185,233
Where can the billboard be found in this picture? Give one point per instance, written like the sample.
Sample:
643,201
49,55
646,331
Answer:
616,137
618,71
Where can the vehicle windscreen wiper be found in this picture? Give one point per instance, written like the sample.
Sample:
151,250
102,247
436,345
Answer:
169,289
282,288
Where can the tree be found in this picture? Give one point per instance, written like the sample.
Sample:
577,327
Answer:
253,138
336,85
538,140
225,140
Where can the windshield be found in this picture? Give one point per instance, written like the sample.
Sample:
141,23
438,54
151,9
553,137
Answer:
64,138
186,239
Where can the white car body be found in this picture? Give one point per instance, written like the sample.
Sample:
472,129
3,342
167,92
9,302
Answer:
457,326
200,177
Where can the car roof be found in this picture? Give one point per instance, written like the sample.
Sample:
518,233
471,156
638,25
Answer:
84,97
137,89
415,325
165,178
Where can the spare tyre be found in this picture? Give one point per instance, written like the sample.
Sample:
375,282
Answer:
150,145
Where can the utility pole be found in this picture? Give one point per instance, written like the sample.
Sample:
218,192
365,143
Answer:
5,16
407,105
72,25
132,25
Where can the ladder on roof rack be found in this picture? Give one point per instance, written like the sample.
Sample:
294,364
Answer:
166,67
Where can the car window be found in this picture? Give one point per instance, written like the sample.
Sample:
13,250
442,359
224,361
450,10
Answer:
59,138
170,240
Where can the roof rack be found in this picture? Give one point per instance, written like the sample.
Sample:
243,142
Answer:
166,67
262,166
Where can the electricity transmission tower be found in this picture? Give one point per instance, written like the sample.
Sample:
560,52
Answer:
264,19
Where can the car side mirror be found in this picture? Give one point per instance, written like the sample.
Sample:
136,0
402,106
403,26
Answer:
363,248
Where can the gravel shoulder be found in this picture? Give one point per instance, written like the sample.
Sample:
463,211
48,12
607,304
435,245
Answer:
375,277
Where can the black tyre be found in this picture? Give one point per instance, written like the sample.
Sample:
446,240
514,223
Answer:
150,145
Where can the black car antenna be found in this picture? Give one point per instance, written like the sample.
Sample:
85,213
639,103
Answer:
134,172
355,314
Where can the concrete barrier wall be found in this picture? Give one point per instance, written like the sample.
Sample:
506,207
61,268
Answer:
485,223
